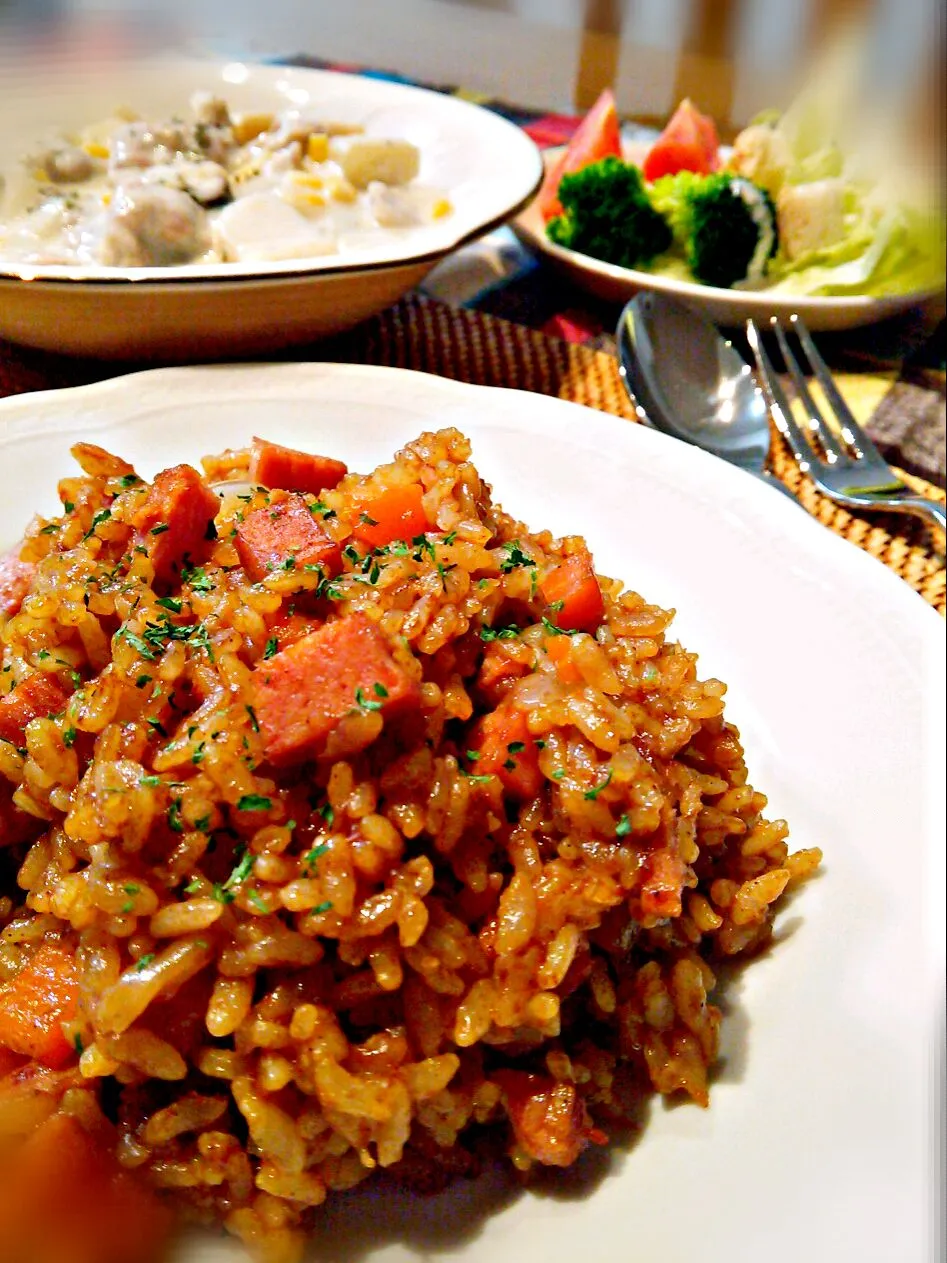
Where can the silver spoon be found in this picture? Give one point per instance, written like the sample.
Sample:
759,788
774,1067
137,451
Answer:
685,379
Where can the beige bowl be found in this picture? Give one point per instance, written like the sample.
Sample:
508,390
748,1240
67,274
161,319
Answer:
486,167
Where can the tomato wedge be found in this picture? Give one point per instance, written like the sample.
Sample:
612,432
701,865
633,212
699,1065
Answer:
596,137
688,143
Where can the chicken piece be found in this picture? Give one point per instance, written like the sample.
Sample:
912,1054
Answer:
761,154
810,216
392,207
69,165
210,110
154,226
206,182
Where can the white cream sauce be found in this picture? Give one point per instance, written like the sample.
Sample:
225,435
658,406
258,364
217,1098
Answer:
216,188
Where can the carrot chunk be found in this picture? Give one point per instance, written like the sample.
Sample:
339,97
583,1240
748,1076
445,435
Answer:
36,1002
285,537
572,594
272,465
559,649
549,1119
505,746
15,579
39,694
175,518
395,513
306,690
65,1200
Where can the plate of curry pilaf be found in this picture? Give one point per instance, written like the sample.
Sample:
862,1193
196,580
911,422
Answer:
379,872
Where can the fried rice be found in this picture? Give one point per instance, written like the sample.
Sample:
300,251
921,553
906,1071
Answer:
349,829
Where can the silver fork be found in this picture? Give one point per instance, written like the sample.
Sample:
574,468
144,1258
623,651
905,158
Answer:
844,462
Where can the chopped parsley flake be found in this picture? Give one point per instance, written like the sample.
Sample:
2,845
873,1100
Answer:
254,722
144,961
175,823
196,577
499,633
516,747
623,828
69,738
103,515
312,857
591,794
272,647
514,557
254,802
318,910
364,703
171,603
159,529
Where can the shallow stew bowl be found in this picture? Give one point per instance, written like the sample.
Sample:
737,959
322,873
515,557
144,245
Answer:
485,166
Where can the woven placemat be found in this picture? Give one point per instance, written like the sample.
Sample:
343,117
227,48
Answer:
473,347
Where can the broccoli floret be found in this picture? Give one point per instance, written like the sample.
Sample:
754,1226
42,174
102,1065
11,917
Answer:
608,215
730,227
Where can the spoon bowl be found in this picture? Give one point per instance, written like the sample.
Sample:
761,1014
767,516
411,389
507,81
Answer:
685,379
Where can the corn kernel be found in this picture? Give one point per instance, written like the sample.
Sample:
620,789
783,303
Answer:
249,126
96,149
441,208
317,147
343,191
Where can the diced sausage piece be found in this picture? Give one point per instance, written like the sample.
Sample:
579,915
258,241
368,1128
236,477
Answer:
36,696
305,691
35,1003
395,513
272,465
572,594
498,673
285,536
175,517
548,1118
505,746
15,579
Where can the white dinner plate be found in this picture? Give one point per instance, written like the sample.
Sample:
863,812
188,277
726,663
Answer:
821,1139
486,166
728,307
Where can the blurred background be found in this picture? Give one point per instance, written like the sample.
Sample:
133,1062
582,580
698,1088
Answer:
732,57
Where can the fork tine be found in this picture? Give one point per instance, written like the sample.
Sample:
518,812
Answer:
817,423
777,402
852,432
